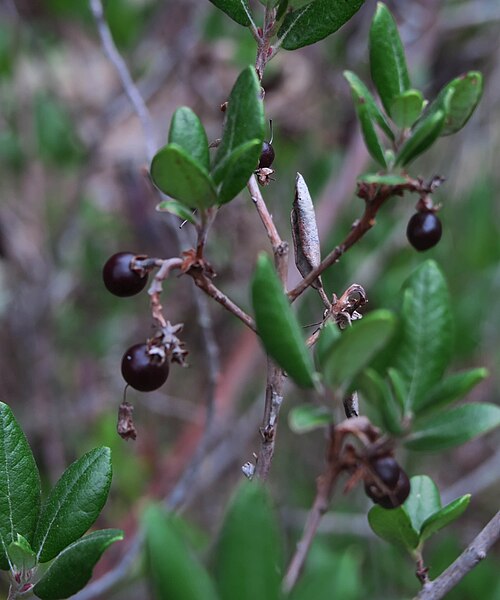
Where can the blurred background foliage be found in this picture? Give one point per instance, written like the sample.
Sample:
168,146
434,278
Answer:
73,191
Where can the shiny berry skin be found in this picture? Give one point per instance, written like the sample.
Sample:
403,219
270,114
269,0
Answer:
424,230
395,498
119,278
141,371
266,156
387,470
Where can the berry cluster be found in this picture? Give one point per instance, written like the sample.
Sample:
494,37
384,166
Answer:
386,483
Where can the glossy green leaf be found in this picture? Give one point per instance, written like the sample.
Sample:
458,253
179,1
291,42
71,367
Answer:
244,123
426,332
394,526
454,427
361,93
281,9
72,569
173,568
178,175
382,407
73,504
176,208
406,108
19,484
358,345
450,389
20,554
277,325
187,131
236,9
329,335
308,417
248,552
398,386
425,133
382,179
315,21
467,91
387,57
444,516
424,500
370,135
241,165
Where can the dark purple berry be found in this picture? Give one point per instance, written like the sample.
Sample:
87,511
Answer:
424,230
266,156
119,278
387,469
395,498
142,371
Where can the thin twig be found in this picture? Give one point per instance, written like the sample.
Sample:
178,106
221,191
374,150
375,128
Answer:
470,557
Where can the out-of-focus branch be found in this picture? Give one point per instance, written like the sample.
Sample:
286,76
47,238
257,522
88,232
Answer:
470,557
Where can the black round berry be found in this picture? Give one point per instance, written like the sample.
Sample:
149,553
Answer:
424,230
119,278
387,470
266,156
142,371
394,499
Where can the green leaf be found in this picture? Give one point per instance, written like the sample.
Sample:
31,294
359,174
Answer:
450,389
244,123
425,133
361,92
19,484
398,386
236,9
329,335
357,346
186,130
315,21
444,516
309,417
248,552
372,141
394,526
277,325
387,58
74,503
454,427
426,332
72,569
406,108
424,500
176,208
242,163
176,174
467,91
377,393
382,179
175,572
21,555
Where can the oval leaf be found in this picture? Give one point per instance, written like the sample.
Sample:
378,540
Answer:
72,569
382,408
426,332
236,9
242,163
406,108
316,21
442,517
454,427
176,174
186,130
19,484
244,122
467,91
394,526
425,133
277,325
387,57
450,389
329,334
370,135
176,208
248,552
74,503
175,570
305,418
21,555
357,346
424,500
